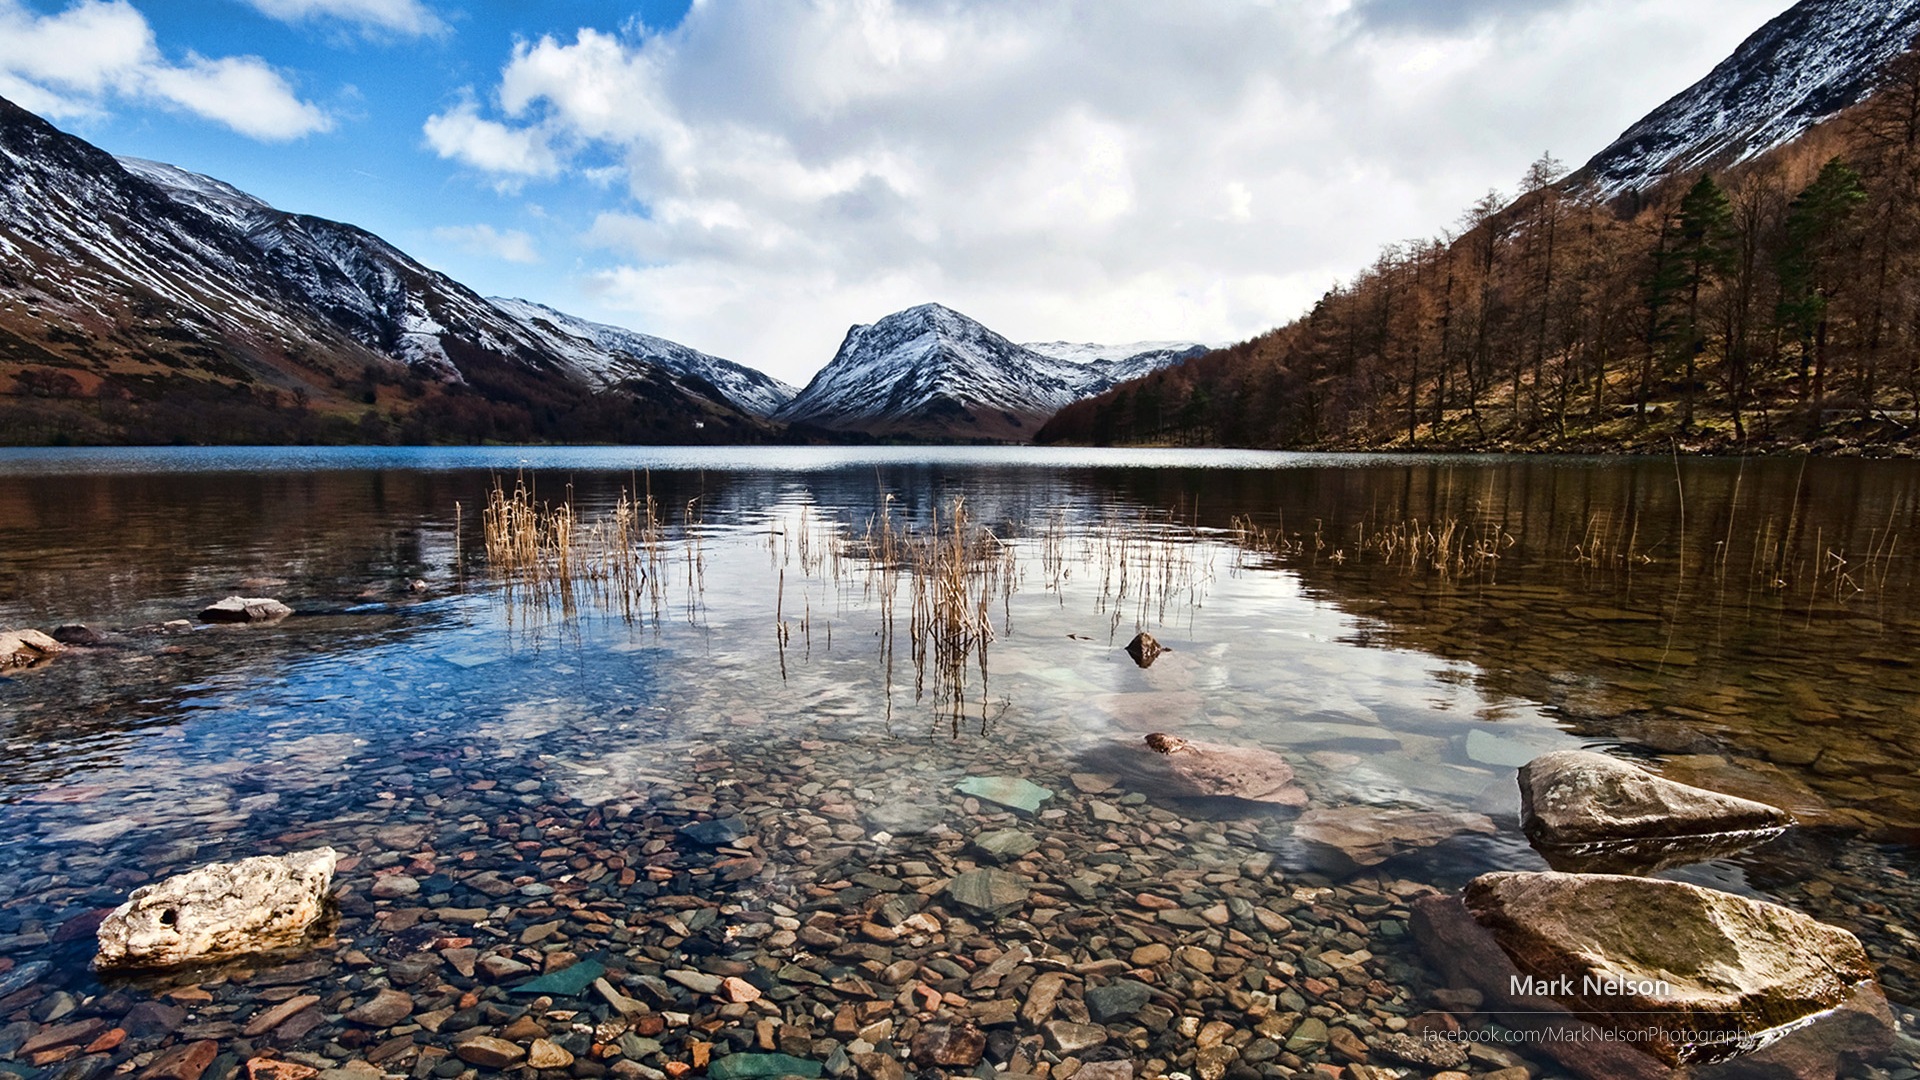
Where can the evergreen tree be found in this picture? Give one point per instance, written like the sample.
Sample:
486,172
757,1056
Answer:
1816,236
1703,249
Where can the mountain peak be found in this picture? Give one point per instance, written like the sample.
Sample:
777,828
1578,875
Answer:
931,371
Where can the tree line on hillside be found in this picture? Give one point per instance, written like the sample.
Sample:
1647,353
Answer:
1770,305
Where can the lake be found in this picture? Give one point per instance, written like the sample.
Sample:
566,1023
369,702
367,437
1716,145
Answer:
508,755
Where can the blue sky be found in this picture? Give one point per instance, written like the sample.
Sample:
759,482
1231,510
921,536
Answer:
751,177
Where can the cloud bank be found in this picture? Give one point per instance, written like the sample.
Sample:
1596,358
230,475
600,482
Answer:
1077,169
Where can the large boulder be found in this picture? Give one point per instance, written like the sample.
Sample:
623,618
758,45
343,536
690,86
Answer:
219,911
1347,838
1489,988
245,609
1640,953
1577,797
1208,770
26,648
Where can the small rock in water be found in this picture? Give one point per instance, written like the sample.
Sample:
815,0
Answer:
245,609
906,818
715,832
383,1010
26,648
1351,837
1009,791
219,911
950,1045
547,1054
756,1066
1002,845
989,890
1211,770
1118,1001
488,1052
1144,649
76,634
570,981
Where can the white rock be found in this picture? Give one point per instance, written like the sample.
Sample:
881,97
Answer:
219,911
25,648
245,609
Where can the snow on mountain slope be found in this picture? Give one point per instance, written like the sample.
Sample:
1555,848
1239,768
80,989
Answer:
607,354
930,371
1814,60
1079,352
208,310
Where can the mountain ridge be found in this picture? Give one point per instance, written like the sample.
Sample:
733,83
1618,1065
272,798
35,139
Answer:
142,302
1804,66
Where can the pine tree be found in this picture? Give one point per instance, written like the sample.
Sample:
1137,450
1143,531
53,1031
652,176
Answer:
1816,236
1703,249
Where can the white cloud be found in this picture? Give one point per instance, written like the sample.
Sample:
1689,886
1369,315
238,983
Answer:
1073,169
405,17
462,134
507,245
240,92
75,62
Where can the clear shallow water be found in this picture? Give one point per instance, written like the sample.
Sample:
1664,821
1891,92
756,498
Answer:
1760,642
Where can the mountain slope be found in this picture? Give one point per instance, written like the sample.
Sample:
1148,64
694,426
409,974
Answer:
931,372
142,302
1660,300
608,353
1814,60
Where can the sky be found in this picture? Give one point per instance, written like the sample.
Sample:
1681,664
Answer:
753,177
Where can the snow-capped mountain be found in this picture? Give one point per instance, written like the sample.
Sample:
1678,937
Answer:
138,281
930,371
1120,362
607,354
1814,60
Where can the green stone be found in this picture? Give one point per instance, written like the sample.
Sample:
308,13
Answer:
1008,791
1309,1037
746,1066
1494,750
567,982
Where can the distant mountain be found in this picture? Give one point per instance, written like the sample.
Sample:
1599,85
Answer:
1122,362
1811,62
143,302
931,372
607,354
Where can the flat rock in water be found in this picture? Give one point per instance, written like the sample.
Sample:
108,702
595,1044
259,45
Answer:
26,648
1208,770
1001,845
752,1066
488,1052
905,818
245,609
1352,837
1489,749
989,890
1009,791
570,981
22,977
715,832
1573,797
1637,953
219,911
